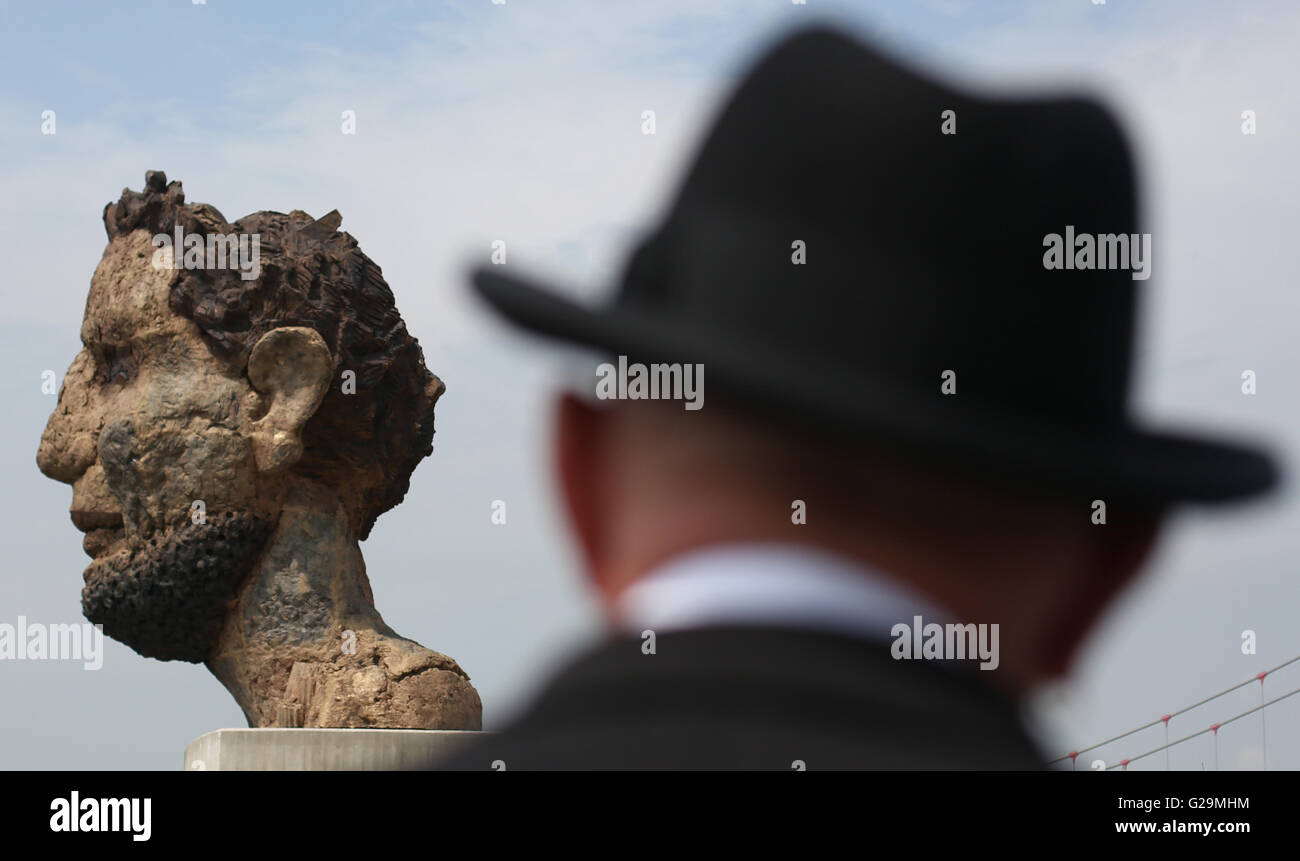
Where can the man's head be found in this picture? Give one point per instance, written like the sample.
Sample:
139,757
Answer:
196,393
982,383
646,480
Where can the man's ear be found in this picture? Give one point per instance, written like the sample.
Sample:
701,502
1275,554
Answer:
577,452
291,367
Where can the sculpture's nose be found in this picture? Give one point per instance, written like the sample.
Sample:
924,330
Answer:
68,445
65,452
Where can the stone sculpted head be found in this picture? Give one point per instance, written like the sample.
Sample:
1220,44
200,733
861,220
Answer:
246,398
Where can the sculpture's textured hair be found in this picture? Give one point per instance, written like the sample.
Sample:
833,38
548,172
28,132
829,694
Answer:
366,444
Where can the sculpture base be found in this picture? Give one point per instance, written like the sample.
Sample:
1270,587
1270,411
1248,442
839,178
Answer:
277,749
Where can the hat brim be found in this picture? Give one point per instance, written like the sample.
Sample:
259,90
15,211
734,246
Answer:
1136,465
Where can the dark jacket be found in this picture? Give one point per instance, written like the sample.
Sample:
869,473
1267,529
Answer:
760,698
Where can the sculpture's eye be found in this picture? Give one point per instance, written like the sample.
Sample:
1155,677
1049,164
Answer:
116,364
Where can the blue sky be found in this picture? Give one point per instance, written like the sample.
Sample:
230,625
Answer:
522,121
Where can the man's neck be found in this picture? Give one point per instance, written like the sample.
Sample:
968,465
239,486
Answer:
771,583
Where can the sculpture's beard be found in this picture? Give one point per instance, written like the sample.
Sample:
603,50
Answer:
167,597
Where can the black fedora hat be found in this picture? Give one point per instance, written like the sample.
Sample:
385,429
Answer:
867,252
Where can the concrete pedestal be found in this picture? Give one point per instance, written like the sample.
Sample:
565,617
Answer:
276,749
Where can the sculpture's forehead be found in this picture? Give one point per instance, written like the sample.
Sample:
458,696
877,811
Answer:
129,295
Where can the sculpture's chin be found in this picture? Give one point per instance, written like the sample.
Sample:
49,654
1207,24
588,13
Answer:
99,541
166,597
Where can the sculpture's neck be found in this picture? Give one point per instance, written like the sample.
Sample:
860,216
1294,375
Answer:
306,600
304,646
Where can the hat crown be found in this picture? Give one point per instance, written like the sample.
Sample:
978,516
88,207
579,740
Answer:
830,215
842,265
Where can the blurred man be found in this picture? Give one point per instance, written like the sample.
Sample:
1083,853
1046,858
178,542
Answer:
910,485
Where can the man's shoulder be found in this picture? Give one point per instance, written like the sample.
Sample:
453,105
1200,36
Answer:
757,697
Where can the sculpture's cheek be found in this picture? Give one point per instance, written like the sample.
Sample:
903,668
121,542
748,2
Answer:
169,456
199,470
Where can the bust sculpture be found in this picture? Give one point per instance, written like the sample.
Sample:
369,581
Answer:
246,403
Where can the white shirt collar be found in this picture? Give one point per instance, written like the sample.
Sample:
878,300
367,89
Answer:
788,585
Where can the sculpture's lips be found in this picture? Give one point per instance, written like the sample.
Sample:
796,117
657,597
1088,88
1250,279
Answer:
99,540
102,528
86,520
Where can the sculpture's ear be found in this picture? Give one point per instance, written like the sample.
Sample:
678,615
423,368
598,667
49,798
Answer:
291,367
